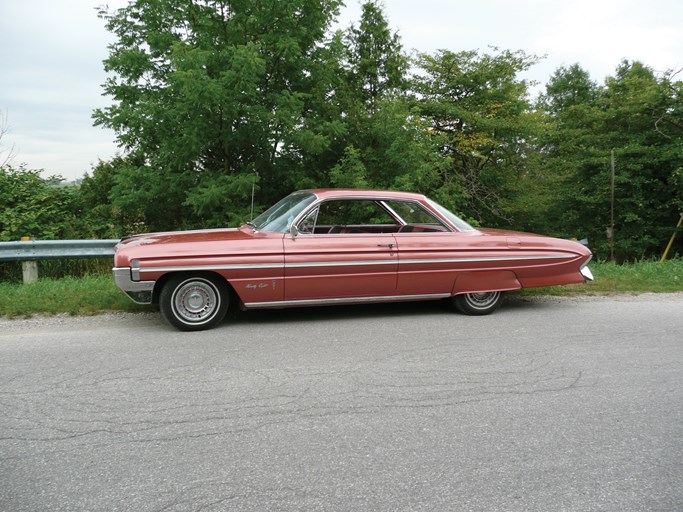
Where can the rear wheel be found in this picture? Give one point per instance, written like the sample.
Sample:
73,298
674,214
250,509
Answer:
194,303
479,303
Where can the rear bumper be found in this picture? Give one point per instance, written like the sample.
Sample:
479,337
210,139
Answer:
587,274
139,291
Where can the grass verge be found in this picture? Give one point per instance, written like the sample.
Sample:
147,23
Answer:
94,294
72,295
638,277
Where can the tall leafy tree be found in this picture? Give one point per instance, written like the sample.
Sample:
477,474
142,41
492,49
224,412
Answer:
377,64
478,107
114,211
385,145
643,124
569,113
637,115
569,88
213,95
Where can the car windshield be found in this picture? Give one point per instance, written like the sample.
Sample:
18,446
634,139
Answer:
457,221
278,218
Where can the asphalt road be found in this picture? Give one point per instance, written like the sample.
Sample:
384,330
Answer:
549,404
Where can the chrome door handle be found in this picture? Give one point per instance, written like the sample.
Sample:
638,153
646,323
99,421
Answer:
390,246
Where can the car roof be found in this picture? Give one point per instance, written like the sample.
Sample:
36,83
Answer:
331,193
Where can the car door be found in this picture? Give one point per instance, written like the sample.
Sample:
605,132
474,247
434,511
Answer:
344,249
430,262
431,254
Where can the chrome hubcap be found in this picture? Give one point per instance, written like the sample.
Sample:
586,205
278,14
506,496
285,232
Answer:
196,301
481,300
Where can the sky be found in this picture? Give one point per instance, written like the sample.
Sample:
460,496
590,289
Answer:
51,54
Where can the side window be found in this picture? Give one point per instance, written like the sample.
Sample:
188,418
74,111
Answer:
348,216
307,224
413,213
353,212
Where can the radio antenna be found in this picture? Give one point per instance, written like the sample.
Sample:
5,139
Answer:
253,189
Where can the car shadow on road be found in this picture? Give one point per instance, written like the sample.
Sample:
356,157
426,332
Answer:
341,312
379,311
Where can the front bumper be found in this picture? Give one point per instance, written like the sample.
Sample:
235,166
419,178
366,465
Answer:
587,274
139,291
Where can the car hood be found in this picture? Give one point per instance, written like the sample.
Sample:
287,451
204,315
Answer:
183,237
195,245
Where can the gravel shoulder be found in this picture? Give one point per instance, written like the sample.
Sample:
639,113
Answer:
153,317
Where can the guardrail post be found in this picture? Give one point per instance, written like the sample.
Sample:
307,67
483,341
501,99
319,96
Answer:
29,269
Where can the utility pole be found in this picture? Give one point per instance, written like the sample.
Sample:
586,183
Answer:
611,229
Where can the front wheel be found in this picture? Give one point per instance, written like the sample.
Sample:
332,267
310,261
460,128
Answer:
479,303
194,303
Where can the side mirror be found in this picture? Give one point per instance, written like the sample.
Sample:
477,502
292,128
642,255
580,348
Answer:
294,231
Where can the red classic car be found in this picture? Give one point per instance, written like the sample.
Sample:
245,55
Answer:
321,247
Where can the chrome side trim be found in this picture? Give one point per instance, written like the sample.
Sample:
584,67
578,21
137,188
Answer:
316,264
493,258
343,300
239,266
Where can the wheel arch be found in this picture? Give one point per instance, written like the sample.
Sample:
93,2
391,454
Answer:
161,282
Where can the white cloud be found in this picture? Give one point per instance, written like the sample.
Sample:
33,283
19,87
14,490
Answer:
51,55
599,34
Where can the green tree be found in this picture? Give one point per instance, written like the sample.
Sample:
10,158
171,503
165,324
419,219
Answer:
567,112
37,207
636,114
110,211
384,144
209,93
478,108
376,63
568,88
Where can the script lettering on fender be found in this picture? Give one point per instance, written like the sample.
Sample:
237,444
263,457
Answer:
252,286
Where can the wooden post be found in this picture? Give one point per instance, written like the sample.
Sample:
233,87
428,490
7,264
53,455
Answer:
29,269
611,230
671,241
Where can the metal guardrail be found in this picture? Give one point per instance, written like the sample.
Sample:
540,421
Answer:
32,250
